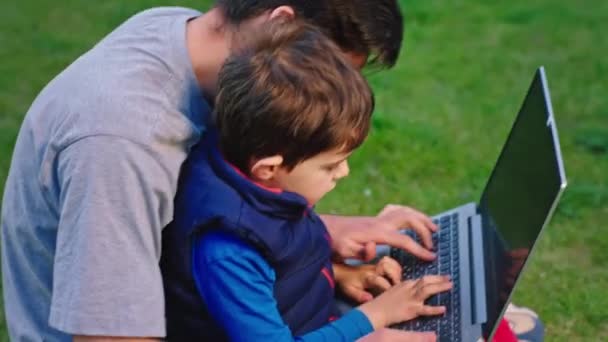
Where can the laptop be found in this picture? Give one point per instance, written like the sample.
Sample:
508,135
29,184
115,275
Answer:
484,246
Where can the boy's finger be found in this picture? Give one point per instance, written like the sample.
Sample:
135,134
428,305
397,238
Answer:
428,310
432,279
432,289
378,282
357,294
390,268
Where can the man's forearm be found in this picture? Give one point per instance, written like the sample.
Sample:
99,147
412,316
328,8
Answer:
329,221
336,223
350,235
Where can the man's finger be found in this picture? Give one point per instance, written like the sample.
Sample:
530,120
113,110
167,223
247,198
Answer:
369,251
429,223
424,219
423,232
406,243
389,208
401,215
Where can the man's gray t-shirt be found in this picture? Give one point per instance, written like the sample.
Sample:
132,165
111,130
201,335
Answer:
92,182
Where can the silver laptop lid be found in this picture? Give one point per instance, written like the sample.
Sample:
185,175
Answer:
520,197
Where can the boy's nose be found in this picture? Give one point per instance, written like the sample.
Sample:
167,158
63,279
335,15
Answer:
343,170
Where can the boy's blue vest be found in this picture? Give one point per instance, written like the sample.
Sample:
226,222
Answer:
292,238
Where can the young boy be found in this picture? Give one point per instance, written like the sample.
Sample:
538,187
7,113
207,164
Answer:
246,257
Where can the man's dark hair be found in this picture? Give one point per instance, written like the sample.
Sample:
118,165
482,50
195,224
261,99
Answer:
291,92
369,27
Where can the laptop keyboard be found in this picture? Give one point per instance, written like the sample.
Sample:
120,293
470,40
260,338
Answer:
445,241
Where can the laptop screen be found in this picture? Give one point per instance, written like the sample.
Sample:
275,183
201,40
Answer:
520,196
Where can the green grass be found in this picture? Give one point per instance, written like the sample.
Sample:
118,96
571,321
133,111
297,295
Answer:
442,115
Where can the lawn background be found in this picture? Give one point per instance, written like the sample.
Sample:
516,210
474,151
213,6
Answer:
442,115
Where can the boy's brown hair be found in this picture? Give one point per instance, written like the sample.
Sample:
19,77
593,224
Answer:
291,92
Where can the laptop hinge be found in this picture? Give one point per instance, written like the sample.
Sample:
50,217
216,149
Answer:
478,282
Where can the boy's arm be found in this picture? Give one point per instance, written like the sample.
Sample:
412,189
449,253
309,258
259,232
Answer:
236,284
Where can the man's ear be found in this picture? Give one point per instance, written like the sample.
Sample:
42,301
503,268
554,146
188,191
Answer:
265,168
283,11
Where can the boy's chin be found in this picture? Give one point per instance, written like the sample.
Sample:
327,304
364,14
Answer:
313,202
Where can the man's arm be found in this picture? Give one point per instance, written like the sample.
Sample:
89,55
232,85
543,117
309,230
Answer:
115,197
357,236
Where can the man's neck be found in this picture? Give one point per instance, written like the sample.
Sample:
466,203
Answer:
208,39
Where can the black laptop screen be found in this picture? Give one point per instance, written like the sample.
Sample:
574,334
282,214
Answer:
519,196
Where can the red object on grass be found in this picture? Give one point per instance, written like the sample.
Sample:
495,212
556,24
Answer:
504,333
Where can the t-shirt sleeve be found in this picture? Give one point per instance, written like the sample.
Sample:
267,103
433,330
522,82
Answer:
237,283
115,197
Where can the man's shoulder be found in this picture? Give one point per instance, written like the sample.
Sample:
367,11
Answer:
165,11
135,83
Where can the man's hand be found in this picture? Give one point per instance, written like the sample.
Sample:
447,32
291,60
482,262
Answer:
356,237
392,335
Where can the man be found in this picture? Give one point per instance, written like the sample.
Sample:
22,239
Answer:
96,164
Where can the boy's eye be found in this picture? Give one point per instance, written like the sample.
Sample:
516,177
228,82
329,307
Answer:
330,167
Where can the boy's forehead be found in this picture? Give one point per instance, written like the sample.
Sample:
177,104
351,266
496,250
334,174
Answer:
332,156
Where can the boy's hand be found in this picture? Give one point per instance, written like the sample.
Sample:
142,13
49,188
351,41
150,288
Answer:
393,335
405,301
359,282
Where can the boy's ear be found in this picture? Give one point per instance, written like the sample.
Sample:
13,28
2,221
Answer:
265,168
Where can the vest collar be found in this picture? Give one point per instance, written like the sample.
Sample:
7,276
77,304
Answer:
270,201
